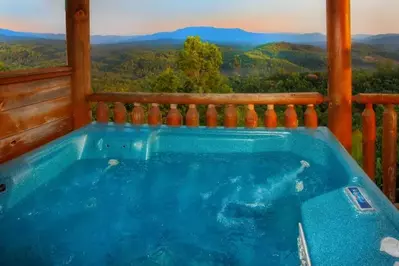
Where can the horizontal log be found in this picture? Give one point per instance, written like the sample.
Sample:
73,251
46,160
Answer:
209,98
23,142
19,76
18,120
376,98
23,94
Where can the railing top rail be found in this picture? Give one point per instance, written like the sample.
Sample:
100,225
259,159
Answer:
376,98
209,98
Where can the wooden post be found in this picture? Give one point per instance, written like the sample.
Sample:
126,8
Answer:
102,113
192,116
120,113
211,116
339,70
369,137
174,118
290,117
389,151
154,115
270,117
251,117
78,50
311,117
230,116
138,114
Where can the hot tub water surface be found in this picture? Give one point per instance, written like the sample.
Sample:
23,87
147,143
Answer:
115,196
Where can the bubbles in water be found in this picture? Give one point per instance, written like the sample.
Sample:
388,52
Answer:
68,260
255,205
194,166
206,195
92,202
234,180
95,181
221,218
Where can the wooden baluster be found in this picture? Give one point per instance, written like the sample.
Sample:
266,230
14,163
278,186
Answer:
270,117
211,116
192,116
102,112
119,113
154,115
174,118
251,117
389,151
291,118
310,117
230,116
369,137
137,114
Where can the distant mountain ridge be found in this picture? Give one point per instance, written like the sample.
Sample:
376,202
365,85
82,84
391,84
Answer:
211,34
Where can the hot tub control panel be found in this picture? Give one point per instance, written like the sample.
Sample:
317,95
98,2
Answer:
358,198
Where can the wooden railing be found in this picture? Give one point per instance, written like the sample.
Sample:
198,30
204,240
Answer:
389,138
154,117
175,118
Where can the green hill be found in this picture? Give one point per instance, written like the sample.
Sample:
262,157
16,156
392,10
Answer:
288,57
32,53
388,41
306,56
132,62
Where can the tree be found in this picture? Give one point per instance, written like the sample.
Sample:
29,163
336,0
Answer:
237,64
3,67
200,62
167,81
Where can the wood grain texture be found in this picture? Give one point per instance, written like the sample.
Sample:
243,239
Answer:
20,76
23,142
339,70
369,138
389,151
17,120
23,94
209,98
376,98
78,46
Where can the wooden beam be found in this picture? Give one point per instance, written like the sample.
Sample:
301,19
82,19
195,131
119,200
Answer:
17,120
209,98
78,50
28,140
339,70
376,98
20,76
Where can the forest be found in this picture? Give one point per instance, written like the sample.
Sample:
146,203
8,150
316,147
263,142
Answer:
199,66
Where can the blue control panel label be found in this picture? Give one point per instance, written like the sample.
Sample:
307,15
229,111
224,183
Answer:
359,199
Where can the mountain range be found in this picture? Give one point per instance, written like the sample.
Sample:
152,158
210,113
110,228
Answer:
211,34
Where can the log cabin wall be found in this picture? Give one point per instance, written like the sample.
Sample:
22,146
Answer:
35,108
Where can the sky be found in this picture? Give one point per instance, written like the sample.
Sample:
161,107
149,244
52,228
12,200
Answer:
130,17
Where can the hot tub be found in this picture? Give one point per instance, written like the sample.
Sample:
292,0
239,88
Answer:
125,195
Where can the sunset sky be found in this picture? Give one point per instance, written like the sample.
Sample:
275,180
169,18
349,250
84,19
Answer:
128,17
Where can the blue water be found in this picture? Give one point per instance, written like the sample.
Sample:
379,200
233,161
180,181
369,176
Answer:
173,209
181,196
